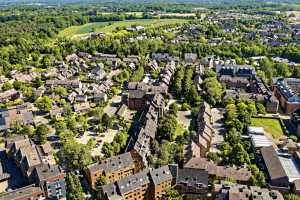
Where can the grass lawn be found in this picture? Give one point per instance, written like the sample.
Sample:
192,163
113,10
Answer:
271,126
179,130
108,27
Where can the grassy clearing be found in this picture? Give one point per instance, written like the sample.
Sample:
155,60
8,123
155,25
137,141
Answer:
179,130
271,126
108,27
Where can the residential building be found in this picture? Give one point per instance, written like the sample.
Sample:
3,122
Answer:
148,185
192,183
235,76
239,174
31,192
295,119
232,191
190,58
73,84
4,177
282,169
11,94
114,168
161,179
133,187
51,179
287,91
81,107
14,114
25,153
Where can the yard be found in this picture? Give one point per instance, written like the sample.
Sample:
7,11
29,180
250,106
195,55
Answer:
107,27
270,125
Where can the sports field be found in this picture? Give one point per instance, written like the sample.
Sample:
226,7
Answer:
108,27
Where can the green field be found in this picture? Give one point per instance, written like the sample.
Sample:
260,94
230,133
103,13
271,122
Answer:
271,126
108,27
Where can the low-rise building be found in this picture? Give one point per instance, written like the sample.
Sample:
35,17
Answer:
31,192
74,84
148,185
295,119
235,76
21,114
114,168
239,174
4,177
51,179
231,191
192,183
282,169
287,91
11,94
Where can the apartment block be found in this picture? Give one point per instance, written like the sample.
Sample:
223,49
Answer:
114,168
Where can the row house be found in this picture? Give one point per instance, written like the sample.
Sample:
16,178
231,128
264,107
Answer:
200,144
164,57
73,84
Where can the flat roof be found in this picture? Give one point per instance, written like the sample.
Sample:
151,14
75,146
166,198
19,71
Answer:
255,130
260,141
290,167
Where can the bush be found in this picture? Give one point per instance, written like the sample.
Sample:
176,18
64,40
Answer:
186,106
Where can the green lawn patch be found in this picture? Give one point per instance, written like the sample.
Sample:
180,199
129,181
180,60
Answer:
108,27
179,130
270,125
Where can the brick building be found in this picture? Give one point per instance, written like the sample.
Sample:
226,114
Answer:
114,168
148,185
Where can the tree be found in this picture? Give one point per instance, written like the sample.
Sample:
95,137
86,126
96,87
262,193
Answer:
7,86
44,103
171,194
213,156
76,155
260,108
107,150
173,108
292,197
167,127
214,90
101,180
106,120
16,127
74,188
209,73
27,130
41,133
62,91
